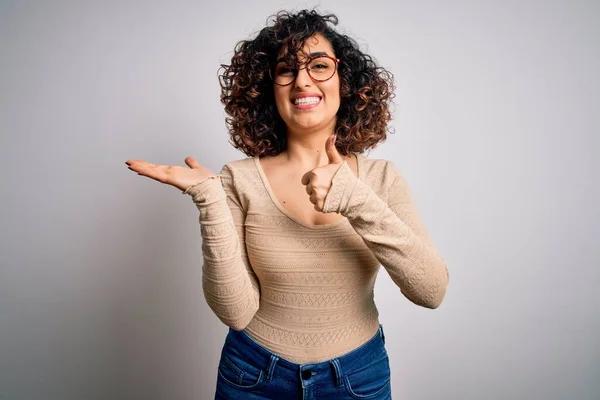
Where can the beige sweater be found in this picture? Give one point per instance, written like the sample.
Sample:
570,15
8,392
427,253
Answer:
305,292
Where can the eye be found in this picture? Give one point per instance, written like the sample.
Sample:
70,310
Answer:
285,70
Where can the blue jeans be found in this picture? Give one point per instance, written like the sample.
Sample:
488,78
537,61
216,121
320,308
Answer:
249,371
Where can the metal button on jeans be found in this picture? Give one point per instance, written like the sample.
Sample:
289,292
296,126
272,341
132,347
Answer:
306,374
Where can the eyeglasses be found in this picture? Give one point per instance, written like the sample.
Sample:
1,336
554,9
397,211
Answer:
320,69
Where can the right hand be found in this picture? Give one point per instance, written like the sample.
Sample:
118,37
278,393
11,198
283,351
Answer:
180,177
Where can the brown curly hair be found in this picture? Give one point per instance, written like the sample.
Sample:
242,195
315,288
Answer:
253,121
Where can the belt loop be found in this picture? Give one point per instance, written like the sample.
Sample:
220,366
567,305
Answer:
272,362
338,372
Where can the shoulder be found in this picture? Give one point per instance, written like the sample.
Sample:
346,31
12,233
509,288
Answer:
242,179
242,163
384,177
377,172
236,168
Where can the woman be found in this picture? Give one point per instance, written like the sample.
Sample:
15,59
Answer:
294,235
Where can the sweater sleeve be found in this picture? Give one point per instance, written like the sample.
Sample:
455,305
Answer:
230,285
394,233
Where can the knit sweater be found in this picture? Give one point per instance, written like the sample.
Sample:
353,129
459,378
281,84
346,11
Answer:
305,292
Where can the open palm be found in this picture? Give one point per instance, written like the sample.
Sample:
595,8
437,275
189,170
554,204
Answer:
174,175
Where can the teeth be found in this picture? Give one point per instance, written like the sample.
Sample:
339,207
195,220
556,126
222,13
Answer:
306,100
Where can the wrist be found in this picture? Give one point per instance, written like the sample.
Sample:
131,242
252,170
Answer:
187,189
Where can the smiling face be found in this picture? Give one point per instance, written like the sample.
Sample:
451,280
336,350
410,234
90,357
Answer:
306,104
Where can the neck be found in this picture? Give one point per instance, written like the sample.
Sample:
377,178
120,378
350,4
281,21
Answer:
307,146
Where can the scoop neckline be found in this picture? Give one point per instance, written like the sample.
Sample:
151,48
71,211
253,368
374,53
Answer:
277,204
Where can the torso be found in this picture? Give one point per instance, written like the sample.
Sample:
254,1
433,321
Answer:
315,273
286,185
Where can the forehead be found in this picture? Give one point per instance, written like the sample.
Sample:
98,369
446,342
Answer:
314,44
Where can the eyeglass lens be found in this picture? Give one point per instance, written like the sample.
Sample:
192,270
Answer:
319,69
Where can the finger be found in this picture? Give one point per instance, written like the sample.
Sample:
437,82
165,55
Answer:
306,178
138,163
135,165
313,198
309,189
154,171
192,163
332,152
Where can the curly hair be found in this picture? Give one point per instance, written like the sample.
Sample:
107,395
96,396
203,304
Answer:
253,121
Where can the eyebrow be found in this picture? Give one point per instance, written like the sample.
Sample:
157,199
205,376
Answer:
317,54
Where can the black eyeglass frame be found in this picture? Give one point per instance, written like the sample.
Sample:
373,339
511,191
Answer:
335,60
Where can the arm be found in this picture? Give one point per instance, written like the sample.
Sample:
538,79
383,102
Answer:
393,232
230,286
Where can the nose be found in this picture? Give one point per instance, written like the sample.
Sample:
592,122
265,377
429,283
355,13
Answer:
302,78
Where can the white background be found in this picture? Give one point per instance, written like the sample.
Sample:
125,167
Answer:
496,130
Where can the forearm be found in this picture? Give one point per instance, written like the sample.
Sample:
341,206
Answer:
411,261
228,287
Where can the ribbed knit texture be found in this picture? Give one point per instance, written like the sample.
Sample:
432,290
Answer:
305,292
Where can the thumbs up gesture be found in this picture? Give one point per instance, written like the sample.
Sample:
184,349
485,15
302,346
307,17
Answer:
319,180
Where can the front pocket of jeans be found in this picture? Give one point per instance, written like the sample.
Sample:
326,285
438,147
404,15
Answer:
370,381
238,373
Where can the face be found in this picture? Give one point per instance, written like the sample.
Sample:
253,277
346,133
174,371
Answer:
306,104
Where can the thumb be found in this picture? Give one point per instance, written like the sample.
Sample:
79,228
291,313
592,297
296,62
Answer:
332,152
192,163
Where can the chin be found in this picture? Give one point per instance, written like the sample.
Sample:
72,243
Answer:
309,123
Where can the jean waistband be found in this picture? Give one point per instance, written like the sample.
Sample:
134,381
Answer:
346,362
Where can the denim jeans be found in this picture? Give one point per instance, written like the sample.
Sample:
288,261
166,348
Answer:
249,371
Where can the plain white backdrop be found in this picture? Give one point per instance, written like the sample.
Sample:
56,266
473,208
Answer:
496,130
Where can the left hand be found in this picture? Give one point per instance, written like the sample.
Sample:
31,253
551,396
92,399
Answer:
319,180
